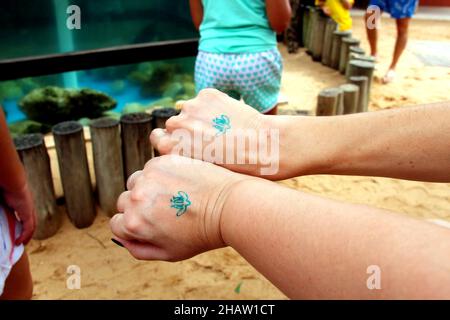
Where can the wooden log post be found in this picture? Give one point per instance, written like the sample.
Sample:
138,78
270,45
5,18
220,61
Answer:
328,102
108,163
314,15
353,52
361,82
356,49
336,47
319,34
343,57
362,68
300,32
33,154
74,172
136,147
305,22
350,97
160,116
327,41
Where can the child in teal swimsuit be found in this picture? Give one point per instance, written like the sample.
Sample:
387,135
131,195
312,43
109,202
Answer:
238,49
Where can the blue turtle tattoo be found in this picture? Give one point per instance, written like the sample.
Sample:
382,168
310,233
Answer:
222,124
180,202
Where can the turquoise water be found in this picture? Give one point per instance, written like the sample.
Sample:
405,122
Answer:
129,94
32,28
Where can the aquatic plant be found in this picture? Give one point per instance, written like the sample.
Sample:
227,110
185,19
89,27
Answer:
154,77
27,126
51,105
133,108
15,89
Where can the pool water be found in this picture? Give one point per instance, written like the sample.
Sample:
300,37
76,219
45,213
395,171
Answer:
129,93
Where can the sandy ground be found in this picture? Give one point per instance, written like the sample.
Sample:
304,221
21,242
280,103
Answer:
109,272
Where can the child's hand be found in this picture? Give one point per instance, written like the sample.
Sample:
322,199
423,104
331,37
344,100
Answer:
204,126
346,4
172,209
22,203
326,10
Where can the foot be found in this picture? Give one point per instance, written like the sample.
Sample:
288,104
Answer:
389,77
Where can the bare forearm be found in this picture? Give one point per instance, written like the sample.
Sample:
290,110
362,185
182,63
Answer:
12,175
196,12
408,143
311,247
279,14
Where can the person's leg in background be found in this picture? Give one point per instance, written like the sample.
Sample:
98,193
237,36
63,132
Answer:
19,284
291,34
400,45
402,11
372,21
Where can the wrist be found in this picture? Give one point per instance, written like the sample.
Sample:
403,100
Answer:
238,205
307,145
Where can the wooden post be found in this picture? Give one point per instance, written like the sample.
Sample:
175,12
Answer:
108,164
336,47
306,17
350,98
328,102
353,51
361,82
136,147
343,57
314,14
300,30
362,57
356,49
74,172
327,42
33,153
319,33
362,68
160,116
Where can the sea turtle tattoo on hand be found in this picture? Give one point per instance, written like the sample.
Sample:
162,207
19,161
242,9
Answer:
222,124
181,202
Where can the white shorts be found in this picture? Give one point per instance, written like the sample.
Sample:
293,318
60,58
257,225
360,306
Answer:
10,230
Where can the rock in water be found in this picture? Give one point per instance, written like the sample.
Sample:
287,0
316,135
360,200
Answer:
51,105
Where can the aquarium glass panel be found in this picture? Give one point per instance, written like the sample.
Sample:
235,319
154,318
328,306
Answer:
35,104
38,27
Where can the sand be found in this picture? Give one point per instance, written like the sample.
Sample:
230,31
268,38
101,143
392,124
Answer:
109,272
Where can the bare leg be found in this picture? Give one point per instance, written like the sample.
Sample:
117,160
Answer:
400,45
19,285
372,21
402,39
273,111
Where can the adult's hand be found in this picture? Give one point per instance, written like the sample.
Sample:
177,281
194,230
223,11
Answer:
213,123
172,209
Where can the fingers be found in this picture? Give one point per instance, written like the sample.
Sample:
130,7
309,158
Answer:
117,225
144,250
131,182
28,227
162,141
122,201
